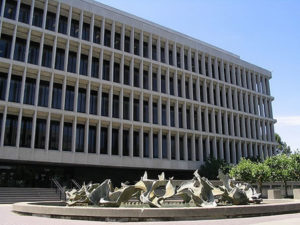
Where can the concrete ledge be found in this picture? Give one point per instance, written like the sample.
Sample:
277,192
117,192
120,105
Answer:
274,194
48,209
296,193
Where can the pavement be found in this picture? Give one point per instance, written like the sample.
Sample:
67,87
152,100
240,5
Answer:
8,217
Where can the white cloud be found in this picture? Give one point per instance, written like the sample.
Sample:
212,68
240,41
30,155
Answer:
288,120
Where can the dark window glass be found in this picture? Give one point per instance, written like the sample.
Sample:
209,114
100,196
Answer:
47,56
178,59
154,113
20,48
54,135
126,75
103,140
107,36
115,142
201,93
187,92
37,19
200,66
136,47
29,93
117,43
188,119
189,145
69,99
206,67
115,106
67,137
196,120
162,55
125,143
146,112
197,149
56,96
181,148
136,108
203,121
15,89
136,144
127,44
136,78
93,102
179,87
194,92
33,56
97,35
83,64
104,104
10,9
155,145
146,145
145,79
95,67
163,83
117,72
40,133
60,59
173,148
24,13
43,93
193,64
180,118
170,57
154,52
172,116
171,86
1,115
72,62
11,128
92,139
50,21
63,24
5,46
126,108
105,75
79,138
26,130
3,83
154,81
81,100
86,31
145,49
164,147
74,28
185,62
164,115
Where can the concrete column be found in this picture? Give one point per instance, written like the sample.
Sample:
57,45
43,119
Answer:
45,14
103,31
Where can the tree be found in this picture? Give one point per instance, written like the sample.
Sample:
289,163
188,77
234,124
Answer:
211,167
282,147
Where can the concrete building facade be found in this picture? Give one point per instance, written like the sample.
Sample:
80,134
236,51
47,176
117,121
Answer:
86,84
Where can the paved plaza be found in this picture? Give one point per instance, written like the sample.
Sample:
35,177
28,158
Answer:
10,218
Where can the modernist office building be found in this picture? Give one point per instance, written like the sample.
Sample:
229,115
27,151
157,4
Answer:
86,84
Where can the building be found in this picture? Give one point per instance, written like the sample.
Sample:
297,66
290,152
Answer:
84,84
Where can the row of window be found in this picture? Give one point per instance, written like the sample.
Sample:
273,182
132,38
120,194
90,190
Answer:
231,74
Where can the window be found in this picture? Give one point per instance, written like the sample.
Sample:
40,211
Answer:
83,65
126,75
86,31
195,120
67,137
136,77
50,21
181,148
164,115
189,145
15,89
136,108
56,96
33,56
74,28
107,36
185,62
63,24
136,144
172,116
146,112
125,142
72,62
117,72
171,86
163,83
117,43
179,88
54,135
170,57
105,75
10,9
20,48
81,100
95,67
164,147
126,108
187,93
146,145
180,118
93,102
195,92
92,139
5,46
43,93
115,106
26,130
69,99
40,133
136,47
60,59
37,19
97,35
154,52
115,142
162,55
154,81
24,13
104,104
29,93
47,56
79,138
155,145
3,83
127,44
103,140
145,79
154,113
173,148
188,119
145,49
11,128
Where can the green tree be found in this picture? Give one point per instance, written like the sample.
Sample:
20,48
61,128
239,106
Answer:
211,167
282,147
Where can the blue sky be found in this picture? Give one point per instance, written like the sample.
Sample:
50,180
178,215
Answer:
265,33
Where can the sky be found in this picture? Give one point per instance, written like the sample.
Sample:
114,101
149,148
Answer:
263,32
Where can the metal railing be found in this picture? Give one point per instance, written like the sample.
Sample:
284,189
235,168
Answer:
59,189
